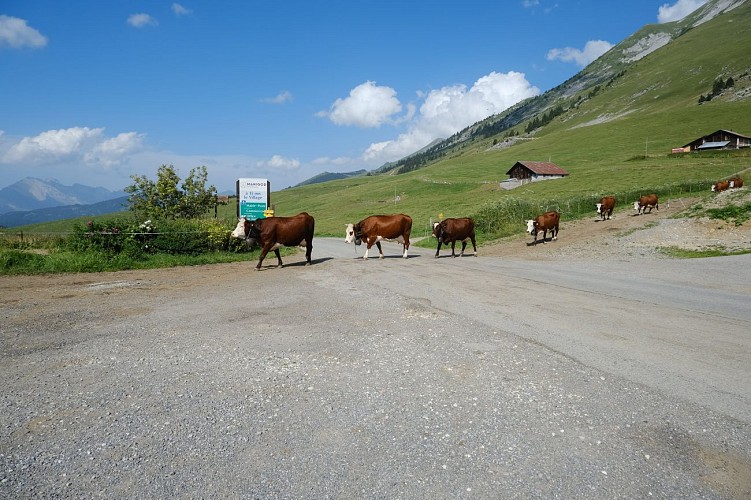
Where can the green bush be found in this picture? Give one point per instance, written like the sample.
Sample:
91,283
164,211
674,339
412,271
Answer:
109,236
133,239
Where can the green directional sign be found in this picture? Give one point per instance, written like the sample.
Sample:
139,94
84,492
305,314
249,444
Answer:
253,197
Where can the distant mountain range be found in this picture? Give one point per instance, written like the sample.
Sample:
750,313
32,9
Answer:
27,217
32,200
331,176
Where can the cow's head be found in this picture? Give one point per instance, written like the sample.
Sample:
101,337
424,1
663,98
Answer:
599,207
438,230
636,206
353,233
250,230
714,187
531,227
240,230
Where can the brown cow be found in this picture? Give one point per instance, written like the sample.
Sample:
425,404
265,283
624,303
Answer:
720,186
375,228
736,182
453,230
605,207
646,201
273,232
546,222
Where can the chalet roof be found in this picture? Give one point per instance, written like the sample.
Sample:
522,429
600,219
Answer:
730,132
540,168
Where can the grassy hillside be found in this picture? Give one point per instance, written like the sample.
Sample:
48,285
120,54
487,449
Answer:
612,139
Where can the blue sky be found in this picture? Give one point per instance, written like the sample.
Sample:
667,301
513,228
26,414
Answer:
93,91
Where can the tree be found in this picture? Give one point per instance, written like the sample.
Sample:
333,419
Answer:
163,199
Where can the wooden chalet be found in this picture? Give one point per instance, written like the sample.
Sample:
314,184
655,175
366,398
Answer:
722,139
533,171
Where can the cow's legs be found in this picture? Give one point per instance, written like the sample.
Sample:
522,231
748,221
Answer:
278,257
438,249
406,245
474,244
464,245
308,251
453,248
380,250
264,251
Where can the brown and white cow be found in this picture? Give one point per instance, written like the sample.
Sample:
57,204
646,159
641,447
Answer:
647,201
546,222
736,182
720,186
274,232
375,228
453,230
605,207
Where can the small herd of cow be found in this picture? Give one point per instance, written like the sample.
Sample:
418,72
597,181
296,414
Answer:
275,232
735,182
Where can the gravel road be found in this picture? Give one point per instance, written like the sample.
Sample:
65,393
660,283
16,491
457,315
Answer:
487,377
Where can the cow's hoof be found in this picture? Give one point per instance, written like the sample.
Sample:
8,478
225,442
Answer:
436,256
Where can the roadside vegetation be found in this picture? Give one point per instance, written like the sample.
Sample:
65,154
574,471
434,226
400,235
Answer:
170,224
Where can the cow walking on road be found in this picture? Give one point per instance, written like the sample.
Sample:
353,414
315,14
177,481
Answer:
453,230
720,186
605,207
548,221
648,201
274,232
375,228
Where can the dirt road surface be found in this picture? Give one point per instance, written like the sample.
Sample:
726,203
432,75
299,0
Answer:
589,367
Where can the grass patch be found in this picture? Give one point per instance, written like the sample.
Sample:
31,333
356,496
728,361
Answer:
682,253
737,214
24,262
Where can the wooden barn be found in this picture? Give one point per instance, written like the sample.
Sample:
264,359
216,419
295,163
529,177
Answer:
722,139
533,171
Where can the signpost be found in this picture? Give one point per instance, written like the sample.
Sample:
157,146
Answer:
253,198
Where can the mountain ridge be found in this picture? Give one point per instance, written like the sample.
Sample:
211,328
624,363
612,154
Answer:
31,193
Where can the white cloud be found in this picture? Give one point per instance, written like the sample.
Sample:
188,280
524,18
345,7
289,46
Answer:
368,105
278,162
447,110
76,143
15,33
530,3
281,98
113,151
592,50
680,9
141,20
179,10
